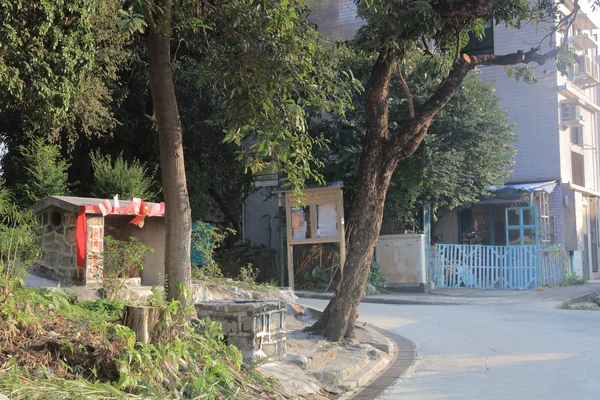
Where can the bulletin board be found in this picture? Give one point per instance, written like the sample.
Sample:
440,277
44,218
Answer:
319,219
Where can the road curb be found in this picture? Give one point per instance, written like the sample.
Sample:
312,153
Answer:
580,298
379,300
404,353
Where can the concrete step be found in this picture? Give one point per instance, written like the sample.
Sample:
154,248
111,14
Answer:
349,360
365,374
315,360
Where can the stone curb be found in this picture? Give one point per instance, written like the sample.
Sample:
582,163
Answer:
379,300
403,353
580,298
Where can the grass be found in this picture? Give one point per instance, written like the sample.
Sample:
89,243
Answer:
584,304
56,348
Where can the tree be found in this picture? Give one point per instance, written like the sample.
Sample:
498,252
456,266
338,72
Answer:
59,66
45,173
467,149
121,177
392,31
265,60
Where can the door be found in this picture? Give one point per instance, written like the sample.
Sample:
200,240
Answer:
521,226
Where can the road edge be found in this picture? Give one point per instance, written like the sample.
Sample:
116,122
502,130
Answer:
405,352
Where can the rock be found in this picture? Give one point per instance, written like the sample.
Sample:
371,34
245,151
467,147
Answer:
371,289
298,359
294,309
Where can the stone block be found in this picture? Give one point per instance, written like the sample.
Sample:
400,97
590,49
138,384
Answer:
71,236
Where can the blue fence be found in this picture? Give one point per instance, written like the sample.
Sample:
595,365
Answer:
492,267
554,262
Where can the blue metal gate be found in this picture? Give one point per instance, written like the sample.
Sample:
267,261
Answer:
486,267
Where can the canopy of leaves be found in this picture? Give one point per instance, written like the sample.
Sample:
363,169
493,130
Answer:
269,66
468,147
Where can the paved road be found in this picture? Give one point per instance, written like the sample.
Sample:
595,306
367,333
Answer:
493,352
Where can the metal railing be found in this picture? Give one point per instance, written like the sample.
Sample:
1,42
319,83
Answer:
486,267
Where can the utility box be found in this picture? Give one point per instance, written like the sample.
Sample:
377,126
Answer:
403,262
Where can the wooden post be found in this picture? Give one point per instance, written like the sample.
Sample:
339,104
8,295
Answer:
142,320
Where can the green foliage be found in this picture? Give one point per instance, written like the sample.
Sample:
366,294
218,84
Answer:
280,69
375,277
119,260
60,66
185,360
468,147
121,177
18,244
45,172
572,278
316,274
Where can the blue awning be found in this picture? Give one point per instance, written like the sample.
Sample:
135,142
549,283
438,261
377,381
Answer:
512,191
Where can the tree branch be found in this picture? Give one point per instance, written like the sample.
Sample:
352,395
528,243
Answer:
150,17
406,138
409,98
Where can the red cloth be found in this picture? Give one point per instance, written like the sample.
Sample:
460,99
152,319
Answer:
80,234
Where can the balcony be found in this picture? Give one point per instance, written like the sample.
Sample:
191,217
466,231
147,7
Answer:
586,73
583,41
583,22
571,115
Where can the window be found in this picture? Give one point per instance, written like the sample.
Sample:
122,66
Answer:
571,112
577,135
577,169
483,45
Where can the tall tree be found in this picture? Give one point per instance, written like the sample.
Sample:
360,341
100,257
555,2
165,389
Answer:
177,211
392,30
467,149
268,64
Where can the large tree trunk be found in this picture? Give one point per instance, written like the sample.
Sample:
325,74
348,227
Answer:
378,160
177,205
373,179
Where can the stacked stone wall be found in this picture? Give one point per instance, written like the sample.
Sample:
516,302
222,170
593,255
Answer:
257,328
57,236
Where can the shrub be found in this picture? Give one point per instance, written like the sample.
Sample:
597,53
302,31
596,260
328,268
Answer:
45,172
18,247
571,278
123,178
118,261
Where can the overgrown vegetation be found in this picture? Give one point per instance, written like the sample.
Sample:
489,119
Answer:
45,172
206,240
128,179
591,303
18,247
375,277
119,261
48,341
572,278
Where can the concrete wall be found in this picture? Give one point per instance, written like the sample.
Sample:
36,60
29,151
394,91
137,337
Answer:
59,243
257,224
532,108
335,19
152,235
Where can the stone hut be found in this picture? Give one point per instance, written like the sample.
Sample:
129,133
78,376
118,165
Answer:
72,231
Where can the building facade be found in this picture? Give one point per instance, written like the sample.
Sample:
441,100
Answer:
556,172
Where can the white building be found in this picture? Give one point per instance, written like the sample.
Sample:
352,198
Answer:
556,122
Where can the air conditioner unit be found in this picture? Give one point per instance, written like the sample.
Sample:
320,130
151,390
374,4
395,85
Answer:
571,115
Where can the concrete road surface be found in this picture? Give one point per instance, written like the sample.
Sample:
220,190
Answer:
515,352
